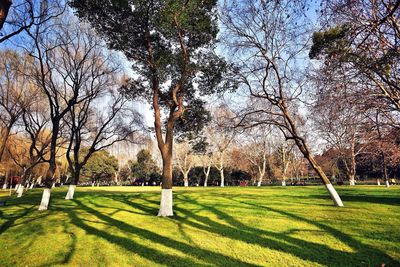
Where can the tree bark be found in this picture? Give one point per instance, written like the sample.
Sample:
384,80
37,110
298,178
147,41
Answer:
352,180
20,191
166,202
44,204
186,179
221,172
5,135
71,191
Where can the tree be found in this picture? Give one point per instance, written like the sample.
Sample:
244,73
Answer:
33,146
60,72
185,159
145,167
362,37
341,123
13,97
221,134
96,77
267,41
171,44
101,166
258,150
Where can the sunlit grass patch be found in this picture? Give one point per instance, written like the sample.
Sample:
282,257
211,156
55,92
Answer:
269,226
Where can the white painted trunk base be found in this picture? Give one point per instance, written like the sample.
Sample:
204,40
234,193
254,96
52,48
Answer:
334,195
20,191
283,183
259,183
205,183
4,186
387,183
352,182
16,187
166,203
32,184
186,183
71,191
45,199
378,182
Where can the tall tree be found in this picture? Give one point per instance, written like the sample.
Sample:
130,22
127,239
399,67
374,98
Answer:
363,37
102,117
267,41
171,45
14,92
61,53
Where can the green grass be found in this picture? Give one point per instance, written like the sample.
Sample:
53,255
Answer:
273,226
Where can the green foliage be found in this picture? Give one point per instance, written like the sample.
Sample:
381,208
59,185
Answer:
330,42
268,226
100,165
149,31
145,167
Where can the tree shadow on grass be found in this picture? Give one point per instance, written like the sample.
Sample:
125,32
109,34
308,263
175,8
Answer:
206,257
15,216
306,250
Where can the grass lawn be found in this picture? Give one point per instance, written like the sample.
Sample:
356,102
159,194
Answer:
269,226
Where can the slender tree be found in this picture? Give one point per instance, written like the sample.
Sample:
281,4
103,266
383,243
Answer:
267,39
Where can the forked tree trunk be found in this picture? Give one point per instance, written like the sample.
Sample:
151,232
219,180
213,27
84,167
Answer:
206,174
71,191
44,204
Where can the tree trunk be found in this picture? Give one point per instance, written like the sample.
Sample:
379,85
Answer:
5,185
166,202
20,191
384,170
206,180
352,180
71,191
378,182
44,204
32,184
331,190
17,187
259,183
221,171
6,130
185,179
283,182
